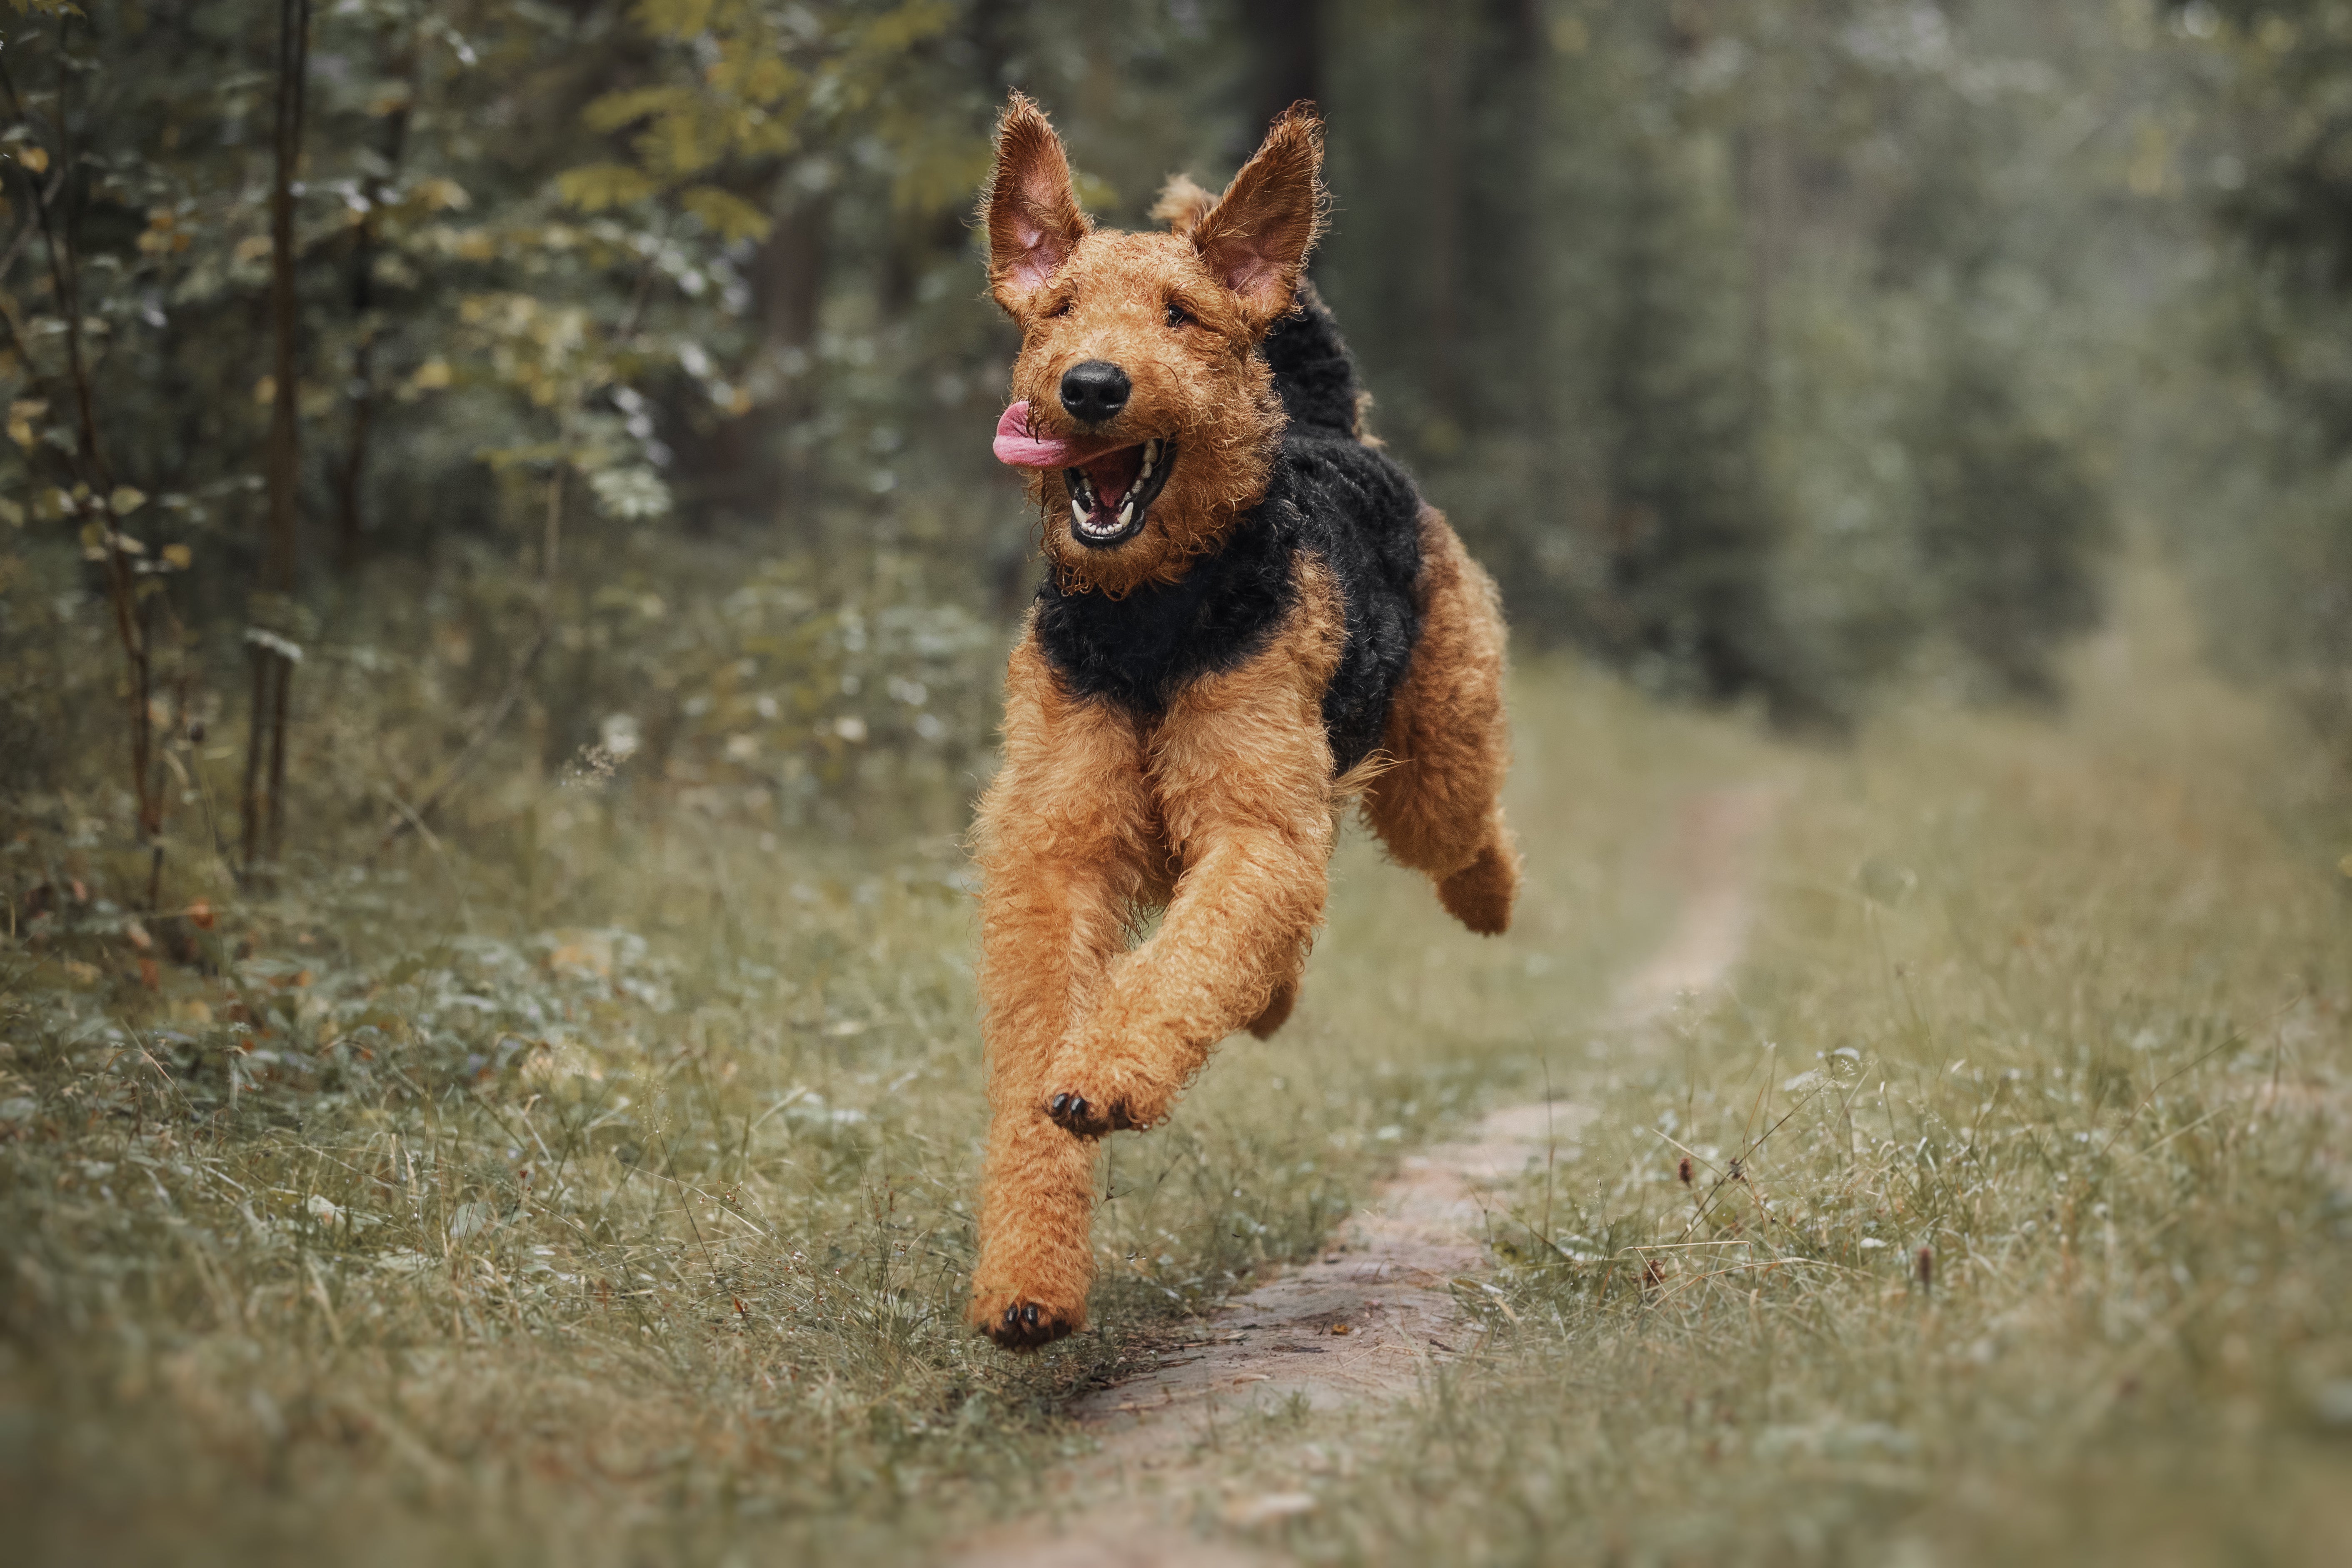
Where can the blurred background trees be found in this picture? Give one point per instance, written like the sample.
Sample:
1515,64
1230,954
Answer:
1772,352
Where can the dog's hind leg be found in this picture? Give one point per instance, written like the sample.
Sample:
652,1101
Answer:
1439,807
1064,833
1243,771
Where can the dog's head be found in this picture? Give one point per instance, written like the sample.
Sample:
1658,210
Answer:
1140,399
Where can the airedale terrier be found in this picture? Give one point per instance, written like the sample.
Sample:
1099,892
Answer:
1249,617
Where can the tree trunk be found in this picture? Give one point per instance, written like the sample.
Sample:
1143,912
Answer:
1506,316
285,431
748,469
790,288
1287,42
274,653
350,474
1442,234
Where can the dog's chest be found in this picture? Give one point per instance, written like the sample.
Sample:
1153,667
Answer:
1358,515
1143,647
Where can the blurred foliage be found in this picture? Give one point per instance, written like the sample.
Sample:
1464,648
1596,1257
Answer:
2262,150
1728,275
1731,333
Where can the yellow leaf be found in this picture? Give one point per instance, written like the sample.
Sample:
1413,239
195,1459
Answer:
673,18
265,391
11,513
179,557
728,216
21,415
443,194
34,158
596,187
253,247
615,109
126,500
432,375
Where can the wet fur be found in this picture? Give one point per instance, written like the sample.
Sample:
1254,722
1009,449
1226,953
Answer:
1187,713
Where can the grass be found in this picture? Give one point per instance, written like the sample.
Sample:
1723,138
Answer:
592,1185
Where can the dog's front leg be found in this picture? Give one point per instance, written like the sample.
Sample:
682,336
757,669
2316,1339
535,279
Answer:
1241,769
1062,836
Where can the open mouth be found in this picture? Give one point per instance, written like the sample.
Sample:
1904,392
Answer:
1111,494
1111,487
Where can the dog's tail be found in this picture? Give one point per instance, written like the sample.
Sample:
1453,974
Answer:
1313,371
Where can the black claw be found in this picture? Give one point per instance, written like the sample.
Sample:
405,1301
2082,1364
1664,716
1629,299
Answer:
1011,1315
1029,1314
1061,1103
1077,1107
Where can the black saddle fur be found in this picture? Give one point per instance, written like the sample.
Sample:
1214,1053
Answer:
1329,495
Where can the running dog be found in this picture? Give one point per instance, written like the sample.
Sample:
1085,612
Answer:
1249,617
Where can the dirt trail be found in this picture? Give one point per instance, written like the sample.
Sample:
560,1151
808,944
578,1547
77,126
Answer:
1363,1322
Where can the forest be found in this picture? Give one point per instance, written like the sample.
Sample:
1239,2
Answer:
504,594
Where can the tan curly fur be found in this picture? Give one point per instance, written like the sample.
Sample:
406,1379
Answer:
1220,808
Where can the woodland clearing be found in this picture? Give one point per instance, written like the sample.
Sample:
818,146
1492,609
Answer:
2014,1221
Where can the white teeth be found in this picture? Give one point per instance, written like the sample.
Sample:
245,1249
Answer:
1126,514
1077,514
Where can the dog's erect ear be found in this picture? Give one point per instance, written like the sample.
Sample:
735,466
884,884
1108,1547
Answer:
1182,205
1033,221
1256,238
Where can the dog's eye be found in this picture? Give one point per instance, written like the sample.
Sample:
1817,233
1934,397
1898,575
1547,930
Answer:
1178,316
1061,308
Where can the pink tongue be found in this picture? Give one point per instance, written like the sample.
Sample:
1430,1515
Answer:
1016,445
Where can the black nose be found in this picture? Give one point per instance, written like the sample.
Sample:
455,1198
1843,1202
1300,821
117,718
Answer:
1094,390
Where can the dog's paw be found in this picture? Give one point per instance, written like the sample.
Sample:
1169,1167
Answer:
1480,894
1019,1322
1074,1112
1277,1011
